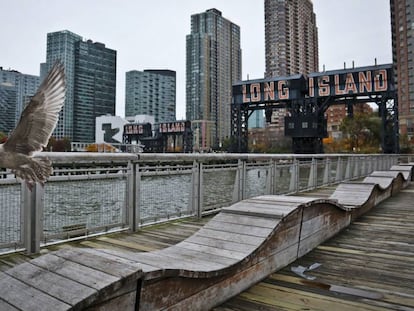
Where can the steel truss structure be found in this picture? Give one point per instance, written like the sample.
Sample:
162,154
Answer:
306,99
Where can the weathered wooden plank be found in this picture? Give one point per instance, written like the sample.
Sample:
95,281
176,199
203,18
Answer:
64,289
130,256
191,255
313,301
323,222
237,282
11,260
245,220
246,209
156,240
82,274
182,266
356,194
287,199
113,265
394,174
126,244
99,244
233,237
369,296
221,244
25,297
382,181
213,250
5,306
240,303
283,207
237,228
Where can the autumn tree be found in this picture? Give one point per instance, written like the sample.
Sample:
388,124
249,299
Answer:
362,133
3,137
58,145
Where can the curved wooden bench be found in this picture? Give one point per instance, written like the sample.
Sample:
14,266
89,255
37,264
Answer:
409,167
238,247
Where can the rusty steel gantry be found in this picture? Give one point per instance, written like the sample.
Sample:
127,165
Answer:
306,99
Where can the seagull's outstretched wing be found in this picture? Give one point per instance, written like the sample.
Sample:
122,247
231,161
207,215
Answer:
39,117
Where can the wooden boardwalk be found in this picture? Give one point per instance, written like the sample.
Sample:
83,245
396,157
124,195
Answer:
368,266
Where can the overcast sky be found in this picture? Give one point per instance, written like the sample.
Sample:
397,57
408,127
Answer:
151,34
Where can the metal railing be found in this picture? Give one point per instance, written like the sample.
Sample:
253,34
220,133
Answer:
95,193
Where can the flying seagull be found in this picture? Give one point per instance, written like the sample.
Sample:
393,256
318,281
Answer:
32,133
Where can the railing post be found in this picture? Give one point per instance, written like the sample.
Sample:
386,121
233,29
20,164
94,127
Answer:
313,174
294,176
273,189
196,192
356,173
269,178
348,169
132,212
338,176
236,189
238,183
327,172
32,201
364,166
200,191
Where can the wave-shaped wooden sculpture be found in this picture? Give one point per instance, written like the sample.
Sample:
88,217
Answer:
238,247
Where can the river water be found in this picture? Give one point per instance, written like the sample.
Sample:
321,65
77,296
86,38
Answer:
101,202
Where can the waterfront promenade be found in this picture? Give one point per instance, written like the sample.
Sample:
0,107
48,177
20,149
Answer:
368,266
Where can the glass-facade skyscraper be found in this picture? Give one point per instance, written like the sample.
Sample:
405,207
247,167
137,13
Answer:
151,92
94,87
90,70
23,86
402,28
213,64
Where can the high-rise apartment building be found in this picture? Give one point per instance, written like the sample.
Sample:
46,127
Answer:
94,87
291,44
7,107
90,70
402,28
213,64
151,92
291,37
24,86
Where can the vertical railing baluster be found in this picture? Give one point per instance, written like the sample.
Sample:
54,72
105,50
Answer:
33,217
294,176
356,173
313,174
327,172
348,169
195,189
237,183
133,207
338,176
269,178
200,191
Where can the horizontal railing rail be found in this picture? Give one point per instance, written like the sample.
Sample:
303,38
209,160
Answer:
96,193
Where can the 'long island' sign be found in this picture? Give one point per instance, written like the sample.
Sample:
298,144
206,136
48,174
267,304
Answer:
356,81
